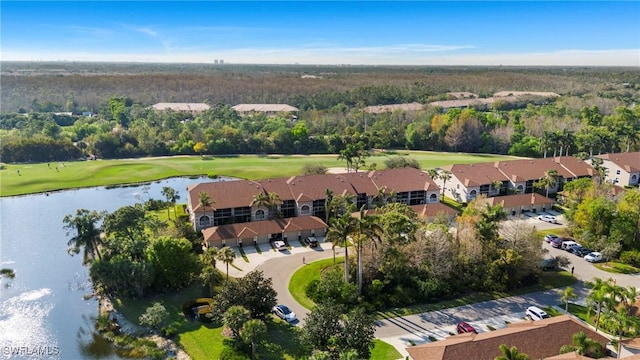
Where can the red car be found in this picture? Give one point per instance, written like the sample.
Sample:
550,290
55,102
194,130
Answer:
463,327
556,243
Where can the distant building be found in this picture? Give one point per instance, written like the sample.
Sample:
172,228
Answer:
267,109
378,109
193,108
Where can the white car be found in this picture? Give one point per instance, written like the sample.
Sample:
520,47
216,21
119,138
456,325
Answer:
284,313
594,257
548,218
280,245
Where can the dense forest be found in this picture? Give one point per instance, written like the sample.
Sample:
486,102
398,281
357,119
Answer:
595,113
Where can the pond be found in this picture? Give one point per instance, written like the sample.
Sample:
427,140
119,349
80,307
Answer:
45,311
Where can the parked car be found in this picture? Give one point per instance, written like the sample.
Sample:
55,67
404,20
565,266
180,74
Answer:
548,263
280,245
535,313
311,241
594,257
568,245
556,243
549,237
580,251
548,218
464,327
284,313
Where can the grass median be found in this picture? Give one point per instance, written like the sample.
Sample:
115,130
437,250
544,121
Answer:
22,179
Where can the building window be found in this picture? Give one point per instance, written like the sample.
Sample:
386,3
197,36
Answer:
457,186
305,210
260,214
634,178
520,188
433,198
203,221
473,194
617,172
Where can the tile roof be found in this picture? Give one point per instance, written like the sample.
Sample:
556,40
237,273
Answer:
538,339
432,209
629,161
521,93
264,107
510,201
403,179
240,193
265,227
533,169
476,174
377,109
193,107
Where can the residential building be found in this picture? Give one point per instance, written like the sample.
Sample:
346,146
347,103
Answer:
520,203
623,169
469,181
267,109
379,109
298,196
192,108
538,339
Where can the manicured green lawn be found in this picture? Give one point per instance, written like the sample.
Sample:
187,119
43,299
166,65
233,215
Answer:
35,178
558,231
617,267
384,351
306,274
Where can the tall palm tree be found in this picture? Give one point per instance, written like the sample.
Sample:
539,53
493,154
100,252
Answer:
549,180
568,294
620,321
274,201
172,196
445,176
511,354
205,200
328,198
85,223
365,229
340,228
267,200
380,198
226,255
599,295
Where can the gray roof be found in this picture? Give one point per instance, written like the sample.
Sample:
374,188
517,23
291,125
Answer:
264,107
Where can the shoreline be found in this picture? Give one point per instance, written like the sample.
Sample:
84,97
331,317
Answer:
171,348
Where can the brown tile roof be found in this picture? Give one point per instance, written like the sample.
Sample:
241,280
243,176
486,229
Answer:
531,169
632,343
403,179
265,227
433,209
568,356
510,201
240,193
476,174
538,339
576,166
629,161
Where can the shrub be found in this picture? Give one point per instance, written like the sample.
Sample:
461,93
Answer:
212,176
631,257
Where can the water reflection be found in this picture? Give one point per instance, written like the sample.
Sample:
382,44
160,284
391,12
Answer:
47,303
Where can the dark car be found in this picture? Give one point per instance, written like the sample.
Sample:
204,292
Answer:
311,241
464,327
550,237
580,251
556,243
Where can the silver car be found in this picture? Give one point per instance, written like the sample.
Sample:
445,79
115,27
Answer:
284,313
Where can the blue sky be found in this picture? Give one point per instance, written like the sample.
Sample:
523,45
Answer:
325,32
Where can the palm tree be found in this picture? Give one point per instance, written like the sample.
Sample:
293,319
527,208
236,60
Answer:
549,180
205,200
445,176
366,229
511,354
599,294
338,234
583,346
380,198
252,332
226,255
172,196
267,200
87,233
620,321
568,294
274,201
328,199
433,173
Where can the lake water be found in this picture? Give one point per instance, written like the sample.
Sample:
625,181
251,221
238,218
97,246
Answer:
43,312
